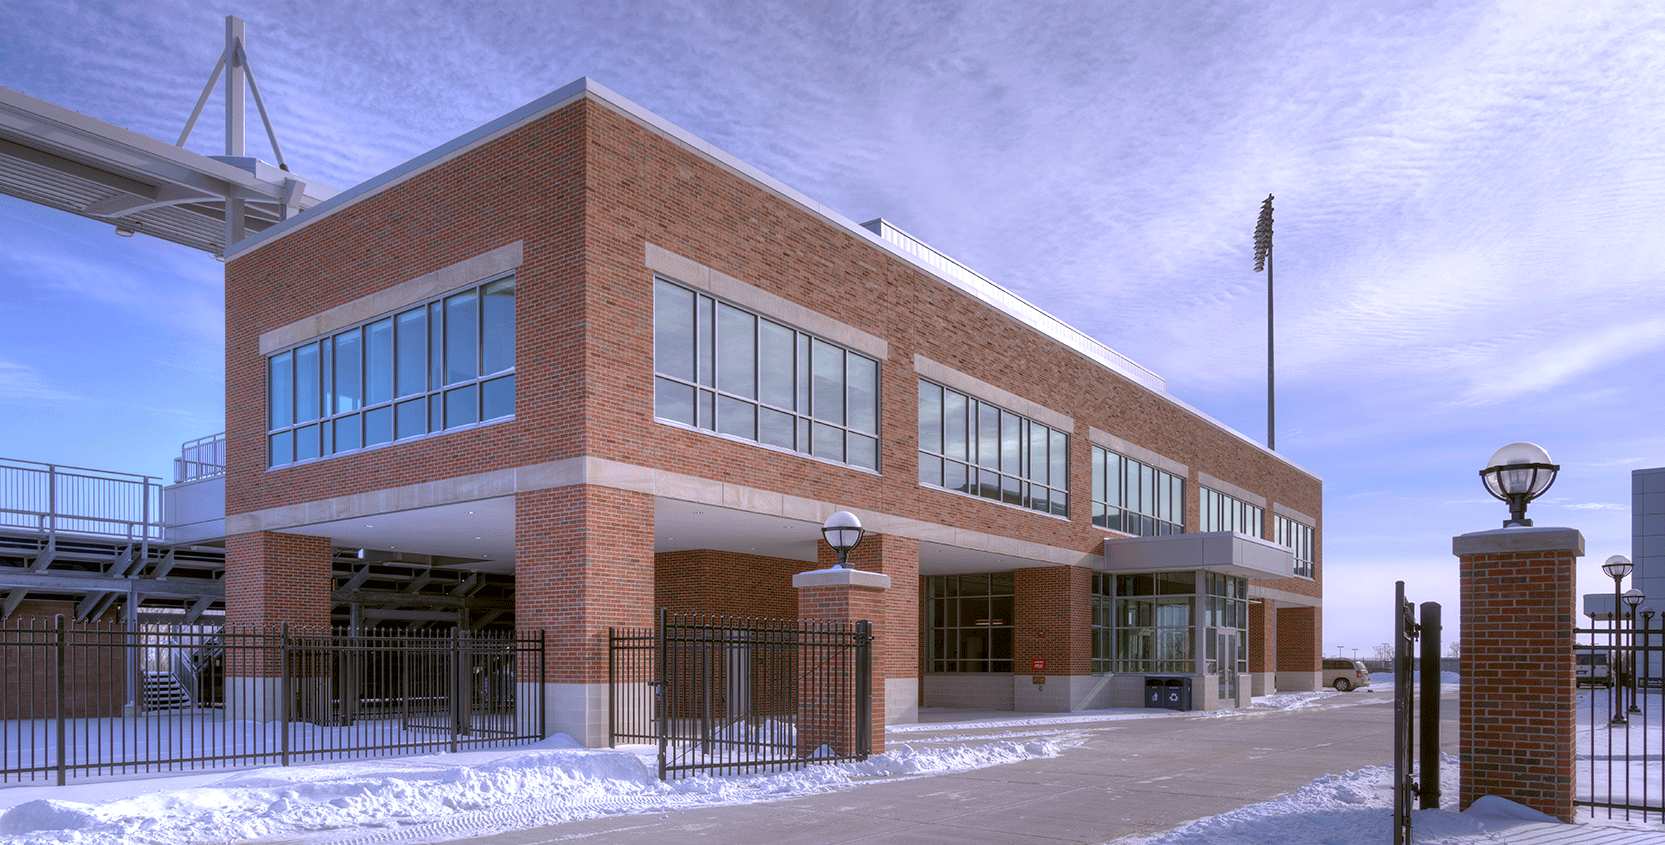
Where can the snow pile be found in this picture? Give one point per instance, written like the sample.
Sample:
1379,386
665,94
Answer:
444,796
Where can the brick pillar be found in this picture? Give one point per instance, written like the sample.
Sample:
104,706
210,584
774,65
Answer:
583,562
271,579
896,652
1299,648
1263,644
839,596
1053,606
1518,701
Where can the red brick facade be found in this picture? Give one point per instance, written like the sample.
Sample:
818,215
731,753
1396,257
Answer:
586,189
1054,620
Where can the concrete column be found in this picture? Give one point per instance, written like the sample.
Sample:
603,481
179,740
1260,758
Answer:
1054,625
837,596
896,652
583,563
271,579
1518,701
1299,647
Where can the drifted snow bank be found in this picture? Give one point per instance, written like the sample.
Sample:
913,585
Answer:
419,799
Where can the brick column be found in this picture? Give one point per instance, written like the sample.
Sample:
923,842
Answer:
1053,606
270,579
1263,644
583,562
840,595
1518,700
896,652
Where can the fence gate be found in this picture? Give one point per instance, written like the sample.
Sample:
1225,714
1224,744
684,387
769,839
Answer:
1619,739
731,695
1406,739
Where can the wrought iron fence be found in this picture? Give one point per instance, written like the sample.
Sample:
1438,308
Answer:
91,700
1619,739
728,695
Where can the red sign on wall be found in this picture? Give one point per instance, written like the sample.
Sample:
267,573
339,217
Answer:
1038,664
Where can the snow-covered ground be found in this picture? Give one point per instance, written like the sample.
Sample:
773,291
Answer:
444,796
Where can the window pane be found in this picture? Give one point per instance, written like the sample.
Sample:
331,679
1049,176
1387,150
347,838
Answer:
705,413
778,369
436,415
828,367
956,438
378,425
462,337
378,362
803,375
705,326
673,401
737,417
930,418
736,351
281,448
306,383
954,476
930,470
988,436
498,321
280,391
497,398
862,379
412,418
462,406
1011,442
412,351
829,443
306,442
436,346
347,434
673,331
1038,466
349,358
863,451
778,429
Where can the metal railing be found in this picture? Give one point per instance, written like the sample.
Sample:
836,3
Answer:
253,697
53,498
201,458
1619,741
728,695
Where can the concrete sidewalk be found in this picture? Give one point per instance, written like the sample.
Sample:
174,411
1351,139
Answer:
1127,778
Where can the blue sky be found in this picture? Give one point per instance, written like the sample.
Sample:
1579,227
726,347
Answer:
1468,242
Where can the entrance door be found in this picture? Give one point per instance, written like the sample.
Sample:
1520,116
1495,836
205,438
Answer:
1227,645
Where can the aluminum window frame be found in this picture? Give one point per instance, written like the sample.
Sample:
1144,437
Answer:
1009,485
1144,500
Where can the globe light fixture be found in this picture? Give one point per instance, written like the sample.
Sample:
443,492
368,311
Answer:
1632,598
1517,474
1616,567
843,532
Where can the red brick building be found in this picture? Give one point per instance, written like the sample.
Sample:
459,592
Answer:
583,346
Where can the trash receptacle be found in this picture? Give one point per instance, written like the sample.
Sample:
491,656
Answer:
1155,693
1176,694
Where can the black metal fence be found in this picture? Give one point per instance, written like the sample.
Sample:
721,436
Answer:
727,695
89,700
1620,748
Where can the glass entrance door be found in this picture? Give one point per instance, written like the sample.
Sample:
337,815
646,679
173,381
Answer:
1227,646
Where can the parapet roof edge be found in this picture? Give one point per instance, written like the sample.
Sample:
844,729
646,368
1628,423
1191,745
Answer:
584,86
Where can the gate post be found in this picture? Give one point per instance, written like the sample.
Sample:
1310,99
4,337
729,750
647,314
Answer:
1518,700
845,596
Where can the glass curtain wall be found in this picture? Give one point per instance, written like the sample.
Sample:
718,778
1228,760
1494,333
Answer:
1298,537
1134,497
968,623
971,446
1221,512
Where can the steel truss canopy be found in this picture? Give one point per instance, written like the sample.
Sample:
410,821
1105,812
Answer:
60,158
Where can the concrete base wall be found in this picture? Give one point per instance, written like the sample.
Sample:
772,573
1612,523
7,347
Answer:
901,701
970,691
253,699
577,710
1258,685
1299,681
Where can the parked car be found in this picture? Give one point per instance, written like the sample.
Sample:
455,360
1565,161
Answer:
1345,674
1593,670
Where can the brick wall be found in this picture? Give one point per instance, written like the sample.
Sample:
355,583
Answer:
1519,696
1054,619
731,583
838,604
1299,633
897,654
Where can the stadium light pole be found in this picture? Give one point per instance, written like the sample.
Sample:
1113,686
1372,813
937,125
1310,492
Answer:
1263,261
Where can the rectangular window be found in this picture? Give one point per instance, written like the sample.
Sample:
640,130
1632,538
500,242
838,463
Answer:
723,368
1133,497
1298,537
968,623
1221,512
970,446
381,381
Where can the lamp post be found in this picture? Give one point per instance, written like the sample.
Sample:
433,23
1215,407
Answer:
1616,567
843,532
1517,474
1632,598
